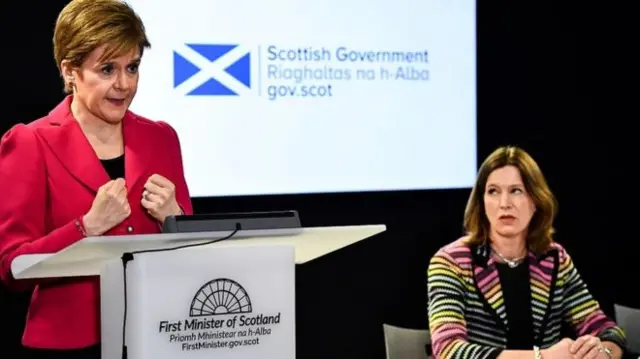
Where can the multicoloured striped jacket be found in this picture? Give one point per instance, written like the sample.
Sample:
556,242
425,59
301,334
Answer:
467,317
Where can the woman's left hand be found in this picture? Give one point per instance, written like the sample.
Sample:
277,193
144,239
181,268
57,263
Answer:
588,347
159,198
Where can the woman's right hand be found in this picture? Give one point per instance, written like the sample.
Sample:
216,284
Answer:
109,208
559,350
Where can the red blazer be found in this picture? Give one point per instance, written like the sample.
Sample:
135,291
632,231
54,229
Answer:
49,176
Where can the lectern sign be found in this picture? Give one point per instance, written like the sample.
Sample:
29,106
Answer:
233,299
234,302
221,316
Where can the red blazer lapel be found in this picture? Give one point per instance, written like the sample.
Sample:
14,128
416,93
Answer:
67,141
137,150
69,144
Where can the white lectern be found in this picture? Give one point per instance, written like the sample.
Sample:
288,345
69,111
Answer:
234,298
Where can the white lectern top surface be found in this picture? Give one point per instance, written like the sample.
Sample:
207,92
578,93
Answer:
87,257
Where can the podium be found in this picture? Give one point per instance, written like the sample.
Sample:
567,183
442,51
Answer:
223,294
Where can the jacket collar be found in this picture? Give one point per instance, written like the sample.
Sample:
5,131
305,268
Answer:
543,271
481,255
65,138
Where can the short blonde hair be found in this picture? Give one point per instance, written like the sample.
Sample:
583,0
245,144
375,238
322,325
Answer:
540,232
84,25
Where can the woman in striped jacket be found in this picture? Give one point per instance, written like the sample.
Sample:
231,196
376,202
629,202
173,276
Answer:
505,289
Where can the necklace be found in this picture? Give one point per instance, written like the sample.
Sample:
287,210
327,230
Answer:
512,263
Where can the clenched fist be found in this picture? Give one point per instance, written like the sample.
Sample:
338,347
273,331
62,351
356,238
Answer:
159,198
109,208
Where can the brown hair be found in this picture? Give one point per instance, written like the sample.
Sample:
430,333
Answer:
84,25
540,232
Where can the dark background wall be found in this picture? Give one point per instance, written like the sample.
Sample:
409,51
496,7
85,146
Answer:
535,89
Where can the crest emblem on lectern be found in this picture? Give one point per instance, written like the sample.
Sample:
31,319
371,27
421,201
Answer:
219,297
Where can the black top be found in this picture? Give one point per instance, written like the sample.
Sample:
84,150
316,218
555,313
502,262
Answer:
517,299
114,167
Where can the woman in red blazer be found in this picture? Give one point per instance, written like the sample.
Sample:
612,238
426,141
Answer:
90,167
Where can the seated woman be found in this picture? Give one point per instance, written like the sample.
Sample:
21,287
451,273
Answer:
505,289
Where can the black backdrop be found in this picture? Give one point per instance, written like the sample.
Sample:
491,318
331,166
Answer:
534,90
